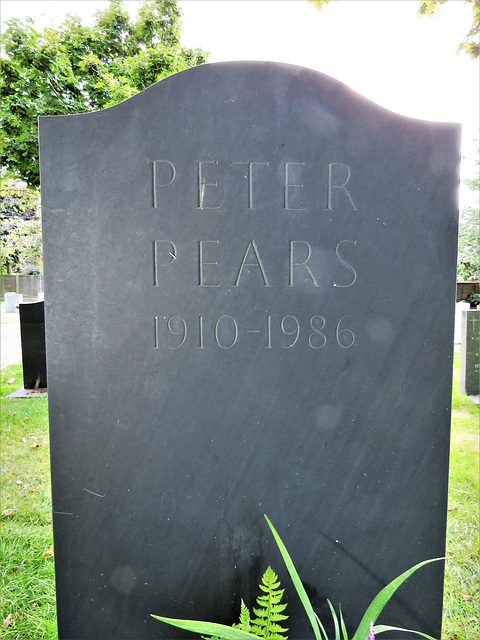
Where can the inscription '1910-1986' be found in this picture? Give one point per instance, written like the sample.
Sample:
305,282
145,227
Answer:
225,332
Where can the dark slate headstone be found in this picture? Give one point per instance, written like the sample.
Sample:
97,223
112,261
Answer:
32,331
237,325
470,355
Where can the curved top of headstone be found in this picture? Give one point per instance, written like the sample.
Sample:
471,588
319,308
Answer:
250,110
233,84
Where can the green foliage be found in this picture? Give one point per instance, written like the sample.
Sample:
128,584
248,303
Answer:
245,621
429,7
269,610
461,607
470,41
27,603
18,200
473,299
20,229
468,263
319,3
371,614
297,583
76,68
268,613
264,625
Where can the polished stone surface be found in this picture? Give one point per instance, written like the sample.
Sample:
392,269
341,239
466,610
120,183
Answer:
250,288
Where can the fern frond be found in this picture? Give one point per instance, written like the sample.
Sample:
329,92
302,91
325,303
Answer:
268,613
245,622
274,609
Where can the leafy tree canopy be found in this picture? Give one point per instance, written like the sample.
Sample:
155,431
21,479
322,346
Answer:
20,228
77,68
470,42
468,264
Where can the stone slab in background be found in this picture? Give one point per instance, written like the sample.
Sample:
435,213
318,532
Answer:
470,353
32,331
12,301
248,246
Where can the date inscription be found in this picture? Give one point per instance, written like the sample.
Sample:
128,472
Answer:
271,332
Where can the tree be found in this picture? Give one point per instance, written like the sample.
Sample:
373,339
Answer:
77,68
20,229
468,263
469,43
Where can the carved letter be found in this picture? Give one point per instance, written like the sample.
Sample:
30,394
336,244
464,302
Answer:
345,264
201,262
250,180
156,178
164,253
258,264
300,264
291,184
338,186
202,185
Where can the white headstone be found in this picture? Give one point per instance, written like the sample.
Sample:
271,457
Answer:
12,300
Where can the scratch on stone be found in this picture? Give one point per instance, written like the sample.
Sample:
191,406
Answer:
63,513
99,495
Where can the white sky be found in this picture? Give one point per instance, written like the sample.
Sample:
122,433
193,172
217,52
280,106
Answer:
379,48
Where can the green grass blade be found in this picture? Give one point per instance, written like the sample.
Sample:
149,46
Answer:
342,624
381,600
297,582
381,628
325,634
335,620
208,628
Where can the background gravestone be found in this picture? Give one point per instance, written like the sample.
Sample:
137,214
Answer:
32,330
12,301
237,324
470,356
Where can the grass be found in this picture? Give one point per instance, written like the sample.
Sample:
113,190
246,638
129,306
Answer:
461,610
27,572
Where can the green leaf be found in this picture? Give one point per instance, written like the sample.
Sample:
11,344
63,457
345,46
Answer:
342,624
297,582
325,634
319,3
381,628
208,628
381,599
335,620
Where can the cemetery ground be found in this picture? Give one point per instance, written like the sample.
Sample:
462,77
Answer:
27,570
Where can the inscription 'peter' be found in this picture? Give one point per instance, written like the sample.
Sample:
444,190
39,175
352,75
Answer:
300,187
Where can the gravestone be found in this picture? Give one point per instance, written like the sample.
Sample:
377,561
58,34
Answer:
32,331
12,300
470,354
235,269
